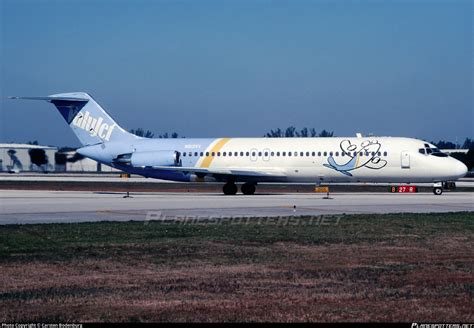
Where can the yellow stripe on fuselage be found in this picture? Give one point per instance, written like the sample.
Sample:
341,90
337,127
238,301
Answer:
217,147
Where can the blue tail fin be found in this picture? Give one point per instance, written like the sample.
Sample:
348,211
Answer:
87,119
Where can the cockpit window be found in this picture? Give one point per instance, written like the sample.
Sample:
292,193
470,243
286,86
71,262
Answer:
432,151
440,154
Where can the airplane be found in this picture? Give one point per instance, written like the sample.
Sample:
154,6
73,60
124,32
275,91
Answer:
253,160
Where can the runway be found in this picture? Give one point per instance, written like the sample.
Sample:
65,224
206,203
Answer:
114,178
27,207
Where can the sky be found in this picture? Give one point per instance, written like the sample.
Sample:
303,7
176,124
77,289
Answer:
241,68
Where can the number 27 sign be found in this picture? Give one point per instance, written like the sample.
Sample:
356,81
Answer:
403,189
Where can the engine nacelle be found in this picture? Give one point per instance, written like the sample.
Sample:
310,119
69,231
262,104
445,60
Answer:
150,158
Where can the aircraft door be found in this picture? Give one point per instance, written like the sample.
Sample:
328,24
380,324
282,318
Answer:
405,160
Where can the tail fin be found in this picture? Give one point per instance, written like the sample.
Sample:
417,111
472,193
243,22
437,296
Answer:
87,119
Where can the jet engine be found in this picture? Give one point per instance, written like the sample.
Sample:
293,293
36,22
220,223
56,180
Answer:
150,158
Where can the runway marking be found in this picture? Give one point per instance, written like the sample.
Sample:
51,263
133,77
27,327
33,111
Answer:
322,209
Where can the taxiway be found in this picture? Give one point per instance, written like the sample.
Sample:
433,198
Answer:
26,207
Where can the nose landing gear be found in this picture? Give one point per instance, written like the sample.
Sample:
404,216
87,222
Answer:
438,187
437,190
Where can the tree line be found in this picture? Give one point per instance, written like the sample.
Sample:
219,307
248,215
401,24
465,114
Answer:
289,132
148,134
292,132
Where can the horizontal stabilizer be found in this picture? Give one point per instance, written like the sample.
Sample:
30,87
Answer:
51,98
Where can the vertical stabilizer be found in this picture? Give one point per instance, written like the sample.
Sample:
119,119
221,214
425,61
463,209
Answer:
87,119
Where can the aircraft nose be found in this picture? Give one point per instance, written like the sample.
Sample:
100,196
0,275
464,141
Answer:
460,169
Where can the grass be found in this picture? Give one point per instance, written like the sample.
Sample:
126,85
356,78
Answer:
410,267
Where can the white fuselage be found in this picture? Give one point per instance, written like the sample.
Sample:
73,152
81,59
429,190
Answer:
372,159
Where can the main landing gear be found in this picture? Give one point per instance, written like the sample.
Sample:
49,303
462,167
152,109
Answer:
230,188
248,188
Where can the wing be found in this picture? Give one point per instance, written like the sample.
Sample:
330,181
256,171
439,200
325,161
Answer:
260,172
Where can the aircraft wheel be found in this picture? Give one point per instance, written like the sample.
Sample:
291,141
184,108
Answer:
229,189
248,189
437,191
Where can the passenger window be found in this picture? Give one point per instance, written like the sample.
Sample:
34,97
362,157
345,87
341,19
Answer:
253,153
272,154
379,153
330,153
325,153
184,154
259,154
313,154
201,154
265,154
284,153
301,154
242,153
247,154
213,154
190,154
289,153
218,153
195,154
236,153
319,153
278,154
385,153
337,153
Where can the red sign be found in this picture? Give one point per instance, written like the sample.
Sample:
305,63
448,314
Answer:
403,189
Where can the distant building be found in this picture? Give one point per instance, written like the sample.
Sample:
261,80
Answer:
15,158
25,157
70,161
